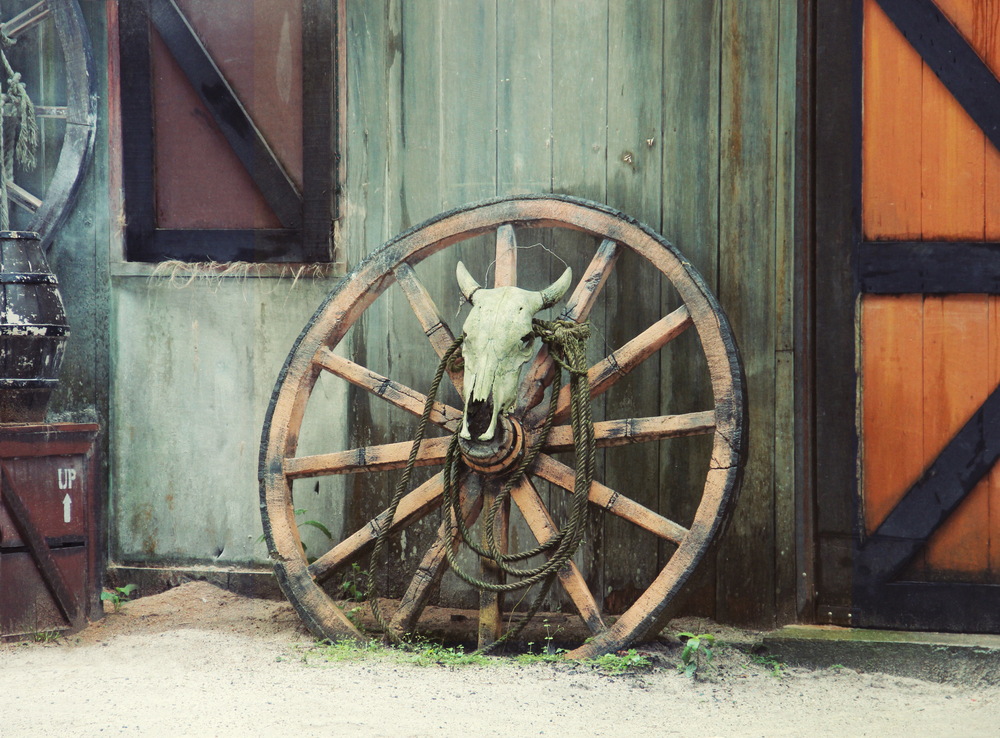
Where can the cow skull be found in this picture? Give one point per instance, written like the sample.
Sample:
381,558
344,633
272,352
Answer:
498,342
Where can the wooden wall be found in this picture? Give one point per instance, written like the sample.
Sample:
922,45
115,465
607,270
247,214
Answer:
680,114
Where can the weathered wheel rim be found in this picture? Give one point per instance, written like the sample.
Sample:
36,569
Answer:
366,282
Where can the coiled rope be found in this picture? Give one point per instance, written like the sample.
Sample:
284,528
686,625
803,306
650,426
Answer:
567,345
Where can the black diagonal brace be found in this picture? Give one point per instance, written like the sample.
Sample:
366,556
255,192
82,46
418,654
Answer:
951,58
230,115
966,459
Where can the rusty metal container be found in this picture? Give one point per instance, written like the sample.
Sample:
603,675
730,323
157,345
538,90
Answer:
50,563
33,328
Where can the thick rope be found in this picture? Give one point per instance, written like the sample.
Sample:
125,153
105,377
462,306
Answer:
566,342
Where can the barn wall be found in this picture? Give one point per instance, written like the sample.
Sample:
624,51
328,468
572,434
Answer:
680,114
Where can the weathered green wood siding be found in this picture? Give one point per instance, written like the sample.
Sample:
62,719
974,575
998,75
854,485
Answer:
680,114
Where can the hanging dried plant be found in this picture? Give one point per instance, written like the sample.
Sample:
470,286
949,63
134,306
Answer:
18,128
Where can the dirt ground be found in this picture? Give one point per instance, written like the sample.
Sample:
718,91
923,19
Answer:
200,661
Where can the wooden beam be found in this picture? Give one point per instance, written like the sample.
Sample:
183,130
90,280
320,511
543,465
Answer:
929,267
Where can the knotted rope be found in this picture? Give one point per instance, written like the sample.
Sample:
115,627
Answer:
567,346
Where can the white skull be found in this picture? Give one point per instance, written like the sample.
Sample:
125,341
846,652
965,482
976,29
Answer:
498,342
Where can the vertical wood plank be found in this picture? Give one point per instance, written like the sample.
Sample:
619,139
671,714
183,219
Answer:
635,118
956,382
994,476
467,163
372,106
833,426
891,137
579,167
988,18
746,269
954,148
786,567
690,153
892,401
952,167
412,193
524,153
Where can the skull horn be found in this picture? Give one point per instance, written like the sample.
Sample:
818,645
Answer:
465,282
554,292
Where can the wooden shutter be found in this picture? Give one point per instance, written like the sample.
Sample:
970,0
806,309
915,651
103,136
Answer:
228,125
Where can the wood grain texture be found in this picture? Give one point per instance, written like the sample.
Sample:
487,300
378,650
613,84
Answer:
788,571
952,160
951,333
994,476
891,138
634,174
747,196
956,383
893,400
580,167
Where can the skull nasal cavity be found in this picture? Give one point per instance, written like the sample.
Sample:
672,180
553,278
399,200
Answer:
480,414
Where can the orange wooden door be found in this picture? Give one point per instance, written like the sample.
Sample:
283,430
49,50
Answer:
929,324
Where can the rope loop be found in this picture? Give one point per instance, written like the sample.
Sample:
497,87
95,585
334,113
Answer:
567,344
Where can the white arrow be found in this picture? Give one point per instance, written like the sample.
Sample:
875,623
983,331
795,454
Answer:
67,506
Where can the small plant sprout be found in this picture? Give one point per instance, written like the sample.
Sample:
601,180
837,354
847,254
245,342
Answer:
770,663
353,586
696,648
119,595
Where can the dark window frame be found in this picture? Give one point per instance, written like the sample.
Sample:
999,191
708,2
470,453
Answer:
307,218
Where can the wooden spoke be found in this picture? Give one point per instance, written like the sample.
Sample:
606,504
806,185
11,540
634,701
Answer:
525,496
578,307
621,362
392,392
559,474
491,603
412,507
635,430
52,111
435,561
22,197
26,19
435,328
367,459
505,273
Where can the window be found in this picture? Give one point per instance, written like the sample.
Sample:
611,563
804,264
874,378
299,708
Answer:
229,129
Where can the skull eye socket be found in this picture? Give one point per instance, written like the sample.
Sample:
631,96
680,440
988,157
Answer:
527,340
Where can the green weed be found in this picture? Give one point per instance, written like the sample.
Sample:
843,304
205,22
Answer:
619,663
119,595
697,649
769,663
432,654
354,584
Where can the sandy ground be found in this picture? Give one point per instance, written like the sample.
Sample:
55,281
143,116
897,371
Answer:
199,661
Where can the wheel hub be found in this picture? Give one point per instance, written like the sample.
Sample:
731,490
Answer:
500,455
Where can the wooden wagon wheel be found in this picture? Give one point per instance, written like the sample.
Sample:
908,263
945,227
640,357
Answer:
393,263
74,112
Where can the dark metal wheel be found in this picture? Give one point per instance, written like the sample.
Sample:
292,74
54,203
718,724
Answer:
394,263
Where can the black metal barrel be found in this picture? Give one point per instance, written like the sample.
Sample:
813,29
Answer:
33,328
